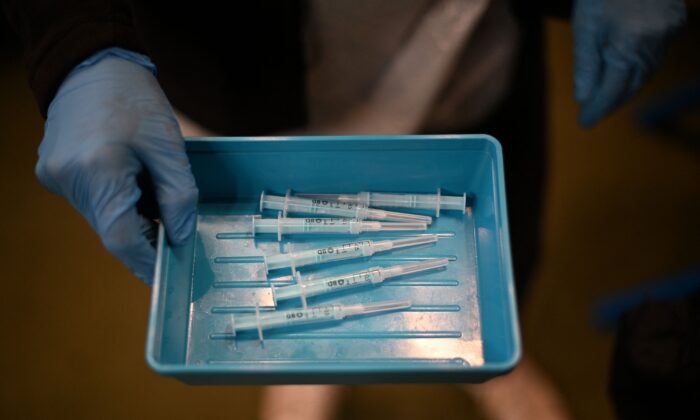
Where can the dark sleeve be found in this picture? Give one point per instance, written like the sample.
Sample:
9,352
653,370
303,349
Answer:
655,372
58,35
542,8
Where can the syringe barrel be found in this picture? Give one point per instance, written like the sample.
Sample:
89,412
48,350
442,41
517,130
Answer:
308,225
450,202
329,284
408,201
295,204
359,198
331,225
417,201
348,250
288,318
397,200
282,225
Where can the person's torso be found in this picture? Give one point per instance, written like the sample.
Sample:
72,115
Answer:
362,66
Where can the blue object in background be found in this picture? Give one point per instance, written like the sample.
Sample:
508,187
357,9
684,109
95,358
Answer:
201,285
608,310
663,111
617,45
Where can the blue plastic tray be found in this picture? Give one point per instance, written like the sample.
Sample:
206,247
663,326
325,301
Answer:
463,323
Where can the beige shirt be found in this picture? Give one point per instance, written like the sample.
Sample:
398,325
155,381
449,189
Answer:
400,66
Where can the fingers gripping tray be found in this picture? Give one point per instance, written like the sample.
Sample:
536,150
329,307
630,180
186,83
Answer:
462,322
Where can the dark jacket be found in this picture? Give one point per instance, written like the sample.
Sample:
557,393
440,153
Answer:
234,67
245,61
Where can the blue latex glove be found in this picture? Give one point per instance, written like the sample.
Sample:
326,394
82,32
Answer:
617,45
109,122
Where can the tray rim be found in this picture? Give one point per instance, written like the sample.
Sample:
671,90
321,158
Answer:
478,373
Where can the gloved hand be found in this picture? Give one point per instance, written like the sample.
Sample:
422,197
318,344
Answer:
109,122
617,45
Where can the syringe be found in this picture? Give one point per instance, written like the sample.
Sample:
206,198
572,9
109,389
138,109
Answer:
285,225
345,251
435,202
374,275
324,313
292,204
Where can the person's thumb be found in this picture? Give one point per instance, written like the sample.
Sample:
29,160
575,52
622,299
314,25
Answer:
163,154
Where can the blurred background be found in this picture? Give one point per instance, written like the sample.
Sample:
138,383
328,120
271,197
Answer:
622,209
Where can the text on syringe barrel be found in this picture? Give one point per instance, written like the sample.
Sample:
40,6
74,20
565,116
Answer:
288,318
399,200
306,225
312,206
329,284
344,251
